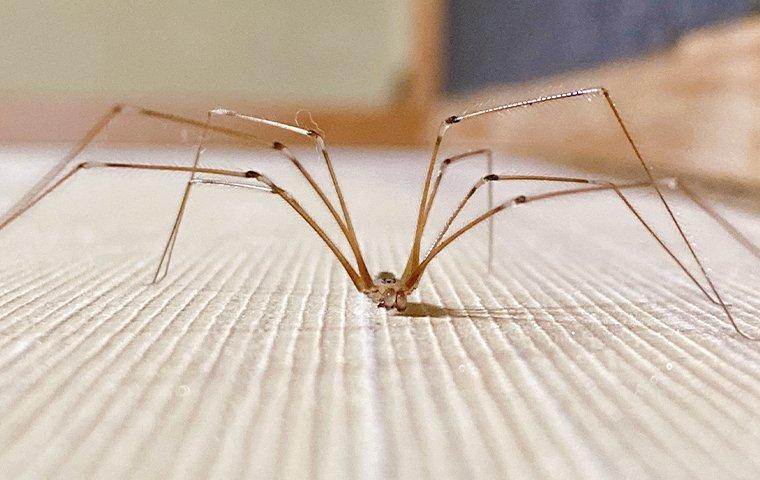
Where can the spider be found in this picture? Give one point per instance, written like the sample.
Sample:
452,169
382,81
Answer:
386,289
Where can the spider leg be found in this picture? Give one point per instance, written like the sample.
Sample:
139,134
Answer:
488,179
345,224
414,255
265,185
725,224
19,209
488,154
721,303
55,173
166,255
31,196
618,189
163,265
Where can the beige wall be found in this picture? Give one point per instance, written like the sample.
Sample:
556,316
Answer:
314,51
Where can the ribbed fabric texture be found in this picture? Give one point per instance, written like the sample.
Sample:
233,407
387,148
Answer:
578,357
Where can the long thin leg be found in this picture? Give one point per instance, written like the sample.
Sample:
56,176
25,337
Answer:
245,186
346,226
414,255
490,221
488,154
722,304
267,185
166,256
31,196
413,261
670,182
47,191
52,176
193,180
28,198
736,234
489,179
523,199
345,223
39,195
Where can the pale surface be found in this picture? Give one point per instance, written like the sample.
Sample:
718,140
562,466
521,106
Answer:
584,355
281,52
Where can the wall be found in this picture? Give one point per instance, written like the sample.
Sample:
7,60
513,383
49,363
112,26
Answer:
291,51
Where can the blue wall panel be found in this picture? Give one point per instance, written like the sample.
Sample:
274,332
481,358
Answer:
492,41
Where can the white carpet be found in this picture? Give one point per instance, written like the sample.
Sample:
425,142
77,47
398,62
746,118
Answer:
586,354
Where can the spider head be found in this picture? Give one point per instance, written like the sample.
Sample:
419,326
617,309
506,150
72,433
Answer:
385,278
388,293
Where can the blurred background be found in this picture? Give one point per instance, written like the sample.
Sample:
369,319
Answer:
685,73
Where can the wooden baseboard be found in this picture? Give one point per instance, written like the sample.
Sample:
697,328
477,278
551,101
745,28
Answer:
51,121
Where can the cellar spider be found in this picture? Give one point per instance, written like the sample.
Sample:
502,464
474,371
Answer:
386,289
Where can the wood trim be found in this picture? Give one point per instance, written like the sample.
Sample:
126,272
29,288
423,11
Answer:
50,122
426,59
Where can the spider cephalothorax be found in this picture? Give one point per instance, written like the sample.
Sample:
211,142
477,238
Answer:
388,292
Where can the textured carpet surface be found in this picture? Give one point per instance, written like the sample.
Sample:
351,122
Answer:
585,353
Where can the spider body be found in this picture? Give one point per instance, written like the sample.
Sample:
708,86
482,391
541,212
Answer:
387,290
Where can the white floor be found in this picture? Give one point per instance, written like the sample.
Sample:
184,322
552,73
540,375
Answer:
585,354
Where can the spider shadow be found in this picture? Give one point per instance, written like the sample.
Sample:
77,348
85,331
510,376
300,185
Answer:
517,314
421,309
